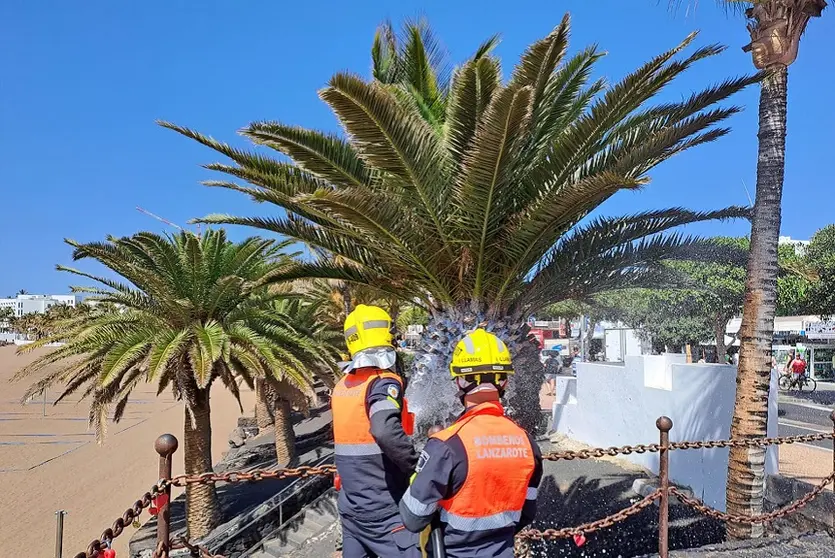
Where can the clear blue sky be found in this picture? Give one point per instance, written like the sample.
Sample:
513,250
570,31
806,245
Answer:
81,84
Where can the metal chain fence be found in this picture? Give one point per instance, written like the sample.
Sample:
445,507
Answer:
524,538
708,444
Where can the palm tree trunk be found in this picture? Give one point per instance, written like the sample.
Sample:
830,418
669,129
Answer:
285,436
746,467
345,293
202,508
719,327
263,404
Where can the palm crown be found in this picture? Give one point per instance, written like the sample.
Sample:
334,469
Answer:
196,309
475,192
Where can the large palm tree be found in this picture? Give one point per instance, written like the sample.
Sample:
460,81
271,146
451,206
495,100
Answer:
480,216
192,310
775,27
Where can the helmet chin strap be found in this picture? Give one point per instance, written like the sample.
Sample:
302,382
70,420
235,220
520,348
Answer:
477,384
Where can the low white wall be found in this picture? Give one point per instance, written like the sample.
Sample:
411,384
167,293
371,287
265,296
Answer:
611,405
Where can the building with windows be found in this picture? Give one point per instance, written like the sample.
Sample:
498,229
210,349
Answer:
810,334
30,303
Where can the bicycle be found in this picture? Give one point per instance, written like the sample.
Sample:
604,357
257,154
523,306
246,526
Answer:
787,382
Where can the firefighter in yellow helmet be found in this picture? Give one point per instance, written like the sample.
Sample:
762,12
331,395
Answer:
374,454
481,474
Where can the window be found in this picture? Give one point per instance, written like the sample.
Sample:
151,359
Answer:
824,360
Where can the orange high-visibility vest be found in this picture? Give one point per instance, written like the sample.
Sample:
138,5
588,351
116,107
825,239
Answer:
500,464
351,425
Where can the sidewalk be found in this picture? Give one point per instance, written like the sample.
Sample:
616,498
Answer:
807,463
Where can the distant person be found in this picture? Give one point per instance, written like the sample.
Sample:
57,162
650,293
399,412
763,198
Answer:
788,368
798,368
552,368
576,359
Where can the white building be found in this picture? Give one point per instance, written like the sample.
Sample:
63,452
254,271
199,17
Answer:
799,245
29,303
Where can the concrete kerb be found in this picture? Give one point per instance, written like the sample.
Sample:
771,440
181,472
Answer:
642,486
819,512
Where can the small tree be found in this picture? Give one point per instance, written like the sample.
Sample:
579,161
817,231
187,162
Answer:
820,257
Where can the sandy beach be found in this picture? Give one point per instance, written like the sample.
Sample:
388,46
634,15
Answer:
51,461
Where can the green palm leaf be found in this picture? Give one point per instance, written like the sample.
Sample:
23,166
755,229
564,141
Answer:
462,193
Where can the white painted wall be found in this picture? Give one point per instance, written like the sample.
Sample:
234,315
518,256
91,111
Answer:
615,405
620,343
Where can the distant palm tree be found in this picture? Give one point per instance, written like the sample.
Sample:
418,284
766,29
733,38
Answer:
475,205
775,27
293,322
193,310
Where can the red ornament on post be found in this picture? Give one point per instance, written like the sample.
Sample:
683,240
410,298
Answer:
157,503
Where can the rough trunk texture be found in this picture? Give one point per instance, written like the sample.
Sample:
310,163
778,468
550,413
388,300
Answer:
202,509
433,396
746,472
345,293
263,404
285,437
719,332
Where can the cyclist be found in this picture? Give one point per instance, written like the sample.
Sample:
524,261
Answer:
798,370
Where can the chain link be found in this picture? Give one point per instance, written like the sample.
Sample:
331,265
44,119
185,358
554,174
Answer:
592,453
256,475
107,536
591,527
753,519
132,513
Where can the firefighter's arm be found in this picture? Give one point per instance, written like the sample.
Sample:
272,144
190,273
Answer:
529,507
429,486
385,404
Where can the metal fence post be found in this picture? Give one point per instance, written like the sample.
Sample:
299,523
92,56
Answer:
59,533
664,425
165,446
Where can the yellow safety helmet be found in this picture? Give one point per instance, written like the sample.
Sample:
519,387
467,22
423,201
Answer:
367,327
482,355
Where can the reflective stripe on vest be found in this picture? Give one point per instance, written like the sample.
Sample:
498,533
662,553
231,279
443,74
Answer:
500,464
351,425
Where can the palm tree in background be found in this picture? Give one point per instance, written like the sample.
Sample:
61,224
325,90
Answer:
775,27
479,217
6,317
193,310
293,321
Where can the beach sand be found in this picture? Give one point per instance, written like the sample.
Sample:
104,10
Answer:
53,462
